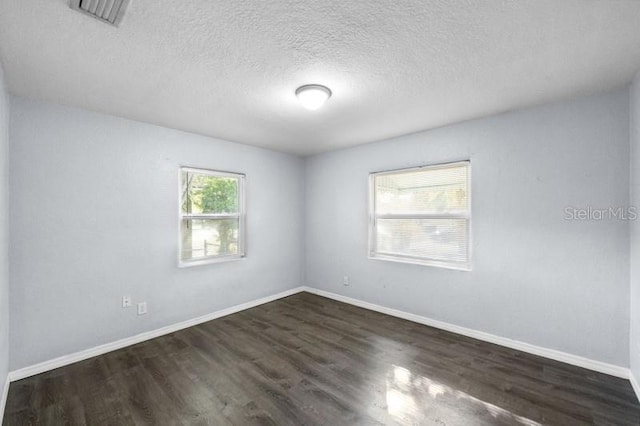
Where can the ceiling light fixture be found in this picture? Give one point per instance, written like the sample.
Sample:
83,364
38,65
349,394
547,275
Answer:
313,96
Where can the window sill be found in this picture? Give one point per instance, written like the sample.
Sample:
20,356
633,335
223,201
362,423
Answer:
209,261
422,262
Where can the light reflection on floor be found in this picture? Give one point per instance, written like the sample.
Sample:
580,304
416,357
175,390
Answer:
414,399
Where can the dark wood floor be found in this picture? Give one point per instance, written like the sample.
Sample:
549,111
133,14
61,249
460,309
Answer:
307,360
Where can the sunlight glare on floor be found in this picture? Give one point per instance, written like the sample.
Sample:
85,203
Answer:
414,398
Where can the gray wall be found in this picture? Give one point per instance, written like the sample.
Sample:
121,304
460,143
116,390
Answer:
94,216
4,233
537,277
635,228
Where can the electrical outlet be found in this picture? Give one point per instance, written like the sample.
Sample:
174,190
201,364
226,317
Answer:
142,308
345,280
126,301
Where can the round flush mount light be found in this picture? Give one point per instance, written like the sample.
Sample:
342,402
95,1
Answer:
313,96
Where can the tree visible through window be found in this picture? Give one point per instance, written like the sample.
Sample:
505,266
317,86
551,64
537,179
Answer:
422,215
211,215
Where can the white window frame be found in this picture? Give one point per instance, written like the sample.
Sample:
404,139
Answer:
373,217
241,216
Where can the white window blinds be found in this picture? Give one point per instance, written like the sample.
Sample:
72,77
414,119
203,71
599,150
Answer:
422,215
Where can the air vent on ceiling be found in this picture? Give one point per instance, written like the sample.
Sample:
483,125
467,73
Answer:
109,11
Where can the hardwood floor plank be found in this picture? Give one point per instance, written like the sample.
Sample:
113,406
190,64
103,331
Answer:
309,360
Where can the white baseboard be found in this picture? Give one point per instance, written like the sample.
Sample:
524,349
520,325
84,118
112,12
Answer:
32,370
635,385
3,401
579,361
601,367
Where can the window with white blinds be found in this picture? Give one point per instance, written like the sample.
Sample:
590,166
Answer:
422,215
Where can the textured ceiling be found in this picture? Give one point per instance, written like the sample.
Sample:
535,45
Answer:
229,69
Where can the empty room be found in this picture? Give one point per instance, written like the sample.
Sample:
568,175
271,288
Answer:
413,212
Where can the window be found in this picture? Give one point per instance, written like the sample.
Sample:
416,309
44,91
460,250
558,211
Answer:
211,216
422,215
